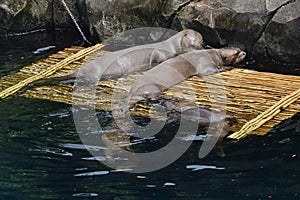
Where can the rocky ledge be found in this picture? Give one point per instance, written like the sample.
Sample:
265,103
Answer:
267,29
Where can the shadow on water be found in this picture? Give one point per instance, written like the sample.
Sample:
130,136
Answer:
42,157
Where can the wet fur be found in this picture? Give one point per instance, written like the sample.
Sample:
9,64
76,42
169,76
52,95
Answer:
141,58
134,59
178,69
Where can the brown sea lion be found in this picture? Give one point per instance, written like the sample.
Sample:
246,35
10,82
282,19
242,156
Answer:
134,59
177,69
215,120
141,57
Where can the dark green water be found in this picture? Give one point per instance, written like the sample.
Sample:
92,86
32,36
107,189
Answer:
41,158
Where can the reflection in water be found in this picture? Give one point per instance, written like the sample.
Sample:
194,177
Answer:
41,163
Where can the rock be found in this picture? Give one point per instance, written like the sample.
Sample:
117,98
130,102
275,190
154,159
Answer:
8,10
115,16
20,16
222,25
280,41
267,30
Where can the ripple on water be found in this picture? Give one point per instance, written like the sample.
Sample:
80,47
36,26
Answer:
96,173
202,167
169,184
56,151
193,138
43,49
85,195
60,114
82,147
98,158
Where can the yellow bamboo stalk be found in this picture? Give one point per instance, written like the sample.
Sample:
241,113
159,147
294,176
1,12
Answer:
48,72
266,116
248,93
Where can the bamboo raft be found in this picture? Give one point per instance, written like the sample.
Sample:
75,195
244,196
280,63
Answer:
259,100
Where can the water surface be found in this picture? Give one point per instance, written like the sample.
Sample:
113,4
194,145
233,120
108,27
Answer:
42,157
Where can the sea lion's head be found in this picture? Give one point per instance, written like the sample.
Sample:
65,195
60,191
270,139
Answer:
231,55
190,40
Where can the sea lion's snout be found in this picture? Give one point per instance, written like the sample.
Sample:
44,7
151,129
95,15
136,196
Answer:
242,54
232,55
240,57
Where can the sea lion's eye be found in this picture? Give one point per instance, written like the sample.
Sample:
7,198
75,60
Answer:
237,53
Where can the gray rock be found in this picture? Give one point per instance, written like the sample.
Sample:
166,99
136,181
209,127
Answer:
19,16
266,29
8,10
114,16
280,41
222,25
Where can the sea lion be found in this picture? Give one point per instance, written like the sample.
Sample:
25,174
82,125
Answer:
214,120
175,70
141,57
178,69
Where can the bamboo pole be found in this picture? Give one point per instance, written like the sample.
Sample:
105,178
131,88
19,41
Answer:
249,93
266,116
48,72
